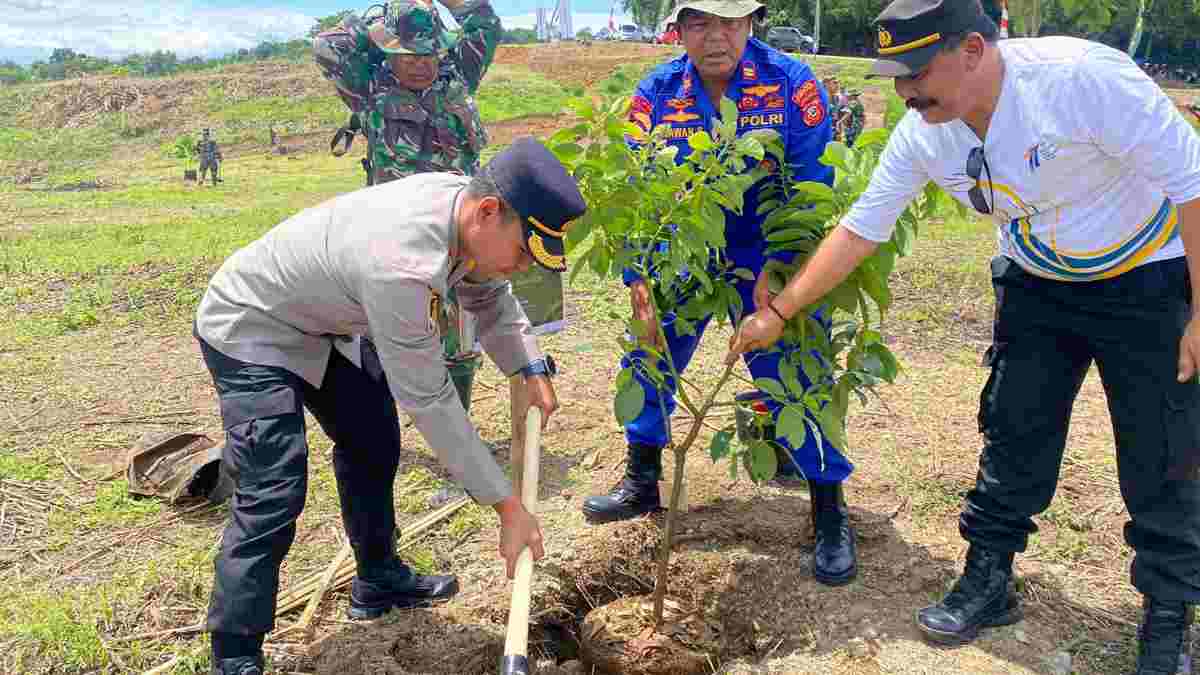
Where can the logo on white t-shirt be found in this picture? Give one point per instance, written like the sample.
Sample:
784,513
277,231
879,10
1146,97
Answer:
1039,153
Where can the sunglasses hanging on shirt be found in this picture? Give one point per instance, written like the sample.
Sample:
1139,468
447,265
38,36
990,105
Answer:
976,166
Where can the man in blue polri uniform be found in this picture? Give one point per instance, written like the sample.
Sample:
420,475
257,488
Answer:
772,91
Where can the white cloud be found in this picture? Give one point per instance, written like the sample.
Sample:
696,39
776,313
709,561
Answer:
32,29
112,29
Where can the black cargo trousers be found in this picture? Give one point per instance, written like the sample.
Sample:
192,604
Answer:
1045,336
266,451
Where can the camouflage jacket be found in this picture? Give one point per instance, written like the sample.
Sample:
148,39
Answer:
858,117
208,150
438,129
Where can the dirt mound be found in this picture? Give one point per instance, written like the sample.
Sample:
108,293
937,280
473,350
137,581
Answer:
80,102
577,65
412,642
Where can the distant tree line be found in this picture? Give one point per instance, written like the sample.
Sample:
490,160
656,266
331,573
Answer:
66,63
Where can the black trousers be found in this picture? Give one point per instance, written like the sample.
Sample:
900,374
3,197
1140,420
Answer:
266,451
1046,335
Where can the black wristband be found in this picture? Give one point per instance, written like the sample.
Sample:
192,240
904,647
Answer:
777,312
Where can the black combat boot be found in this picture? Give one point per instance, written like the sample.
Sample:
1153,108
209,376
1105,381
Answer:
1164,638
378,588
636,494
835,554
242,665
982,597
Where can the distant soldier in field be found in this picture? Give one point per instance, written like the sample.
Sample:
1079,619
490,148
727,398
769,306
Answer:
837,106
410,88
210,157
856,116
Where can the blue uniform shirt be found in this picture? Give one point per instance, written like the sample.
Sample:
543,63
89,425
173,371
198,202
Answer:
772,91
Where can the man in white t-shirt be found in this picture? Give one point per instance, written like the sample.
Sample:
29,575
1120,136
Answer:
1093,179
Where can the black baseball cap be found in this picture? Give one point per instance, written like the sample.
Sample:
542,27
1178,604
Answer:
910,32
538,187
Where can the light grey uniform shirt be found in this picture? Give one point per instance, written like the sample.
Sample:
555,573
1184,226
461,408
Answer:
374,262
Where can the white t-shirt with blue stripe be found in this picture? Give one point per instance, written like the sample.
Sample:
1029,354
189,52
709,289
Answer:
1088,160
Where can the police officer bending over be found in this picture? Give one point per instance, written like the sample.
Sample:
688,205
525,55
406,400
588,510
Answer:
271,326
1093,179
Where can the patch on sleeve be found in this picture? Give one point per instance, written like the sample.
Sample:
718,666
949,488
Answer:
639,112
804,92
808,99
814,113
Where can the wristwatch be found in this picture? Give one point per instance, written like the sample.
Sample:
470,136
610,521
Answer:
544,366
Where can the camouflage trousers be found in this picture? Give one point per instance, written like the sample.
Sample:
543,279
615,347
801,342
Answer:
210,165
459,346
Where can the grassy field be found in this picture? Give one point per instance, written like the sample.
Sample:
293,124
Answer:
102,260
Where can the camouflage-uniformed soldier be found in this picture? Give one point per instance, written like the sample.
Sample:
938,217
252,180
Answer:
857,116
410,89
210,157
276,328
410,86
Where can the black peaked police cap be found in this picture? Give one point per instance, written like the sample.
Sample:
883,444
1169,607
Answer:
537,185
910,32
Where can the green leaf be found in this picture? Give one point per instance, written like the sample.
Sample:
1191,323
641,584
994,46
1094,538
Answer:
729,109
701,141
790,376
566,152
578,267
772,387
763,464
833,427
872,137
835,155
749,146
582,107
744,273
791,425
817,192
768,205
875,286
790,234
628,403
719,447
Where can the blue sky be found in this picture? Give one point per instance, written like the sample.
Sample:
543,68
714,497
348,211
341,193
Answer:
31,29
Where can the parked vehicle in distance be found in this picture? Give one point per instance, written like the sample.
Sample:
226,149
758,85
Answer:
629,33
790,39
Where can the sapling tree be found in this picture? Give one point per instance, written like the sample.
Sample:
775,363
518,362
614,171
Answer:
665,220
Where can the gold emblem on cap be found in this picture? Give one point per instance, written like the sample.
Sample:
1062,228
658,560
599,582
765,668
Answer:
885,38
909,46
538,249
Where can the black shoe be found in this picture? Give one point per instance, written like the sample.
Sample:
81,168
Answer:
1164,638
242,665
395,585
982,597
636,494
835,553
